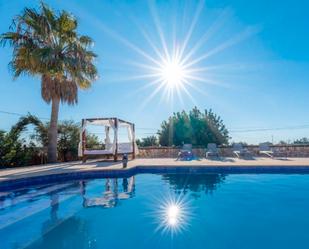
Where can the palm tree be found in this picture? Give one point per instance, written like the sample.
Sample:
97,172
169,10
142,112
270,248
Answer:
45,43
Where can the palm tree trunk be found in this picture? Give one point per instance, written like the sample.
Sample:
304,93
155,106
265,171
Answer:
53,132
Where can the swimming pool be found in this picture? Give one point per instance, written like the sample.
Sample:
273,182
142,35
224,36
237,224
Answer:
160,211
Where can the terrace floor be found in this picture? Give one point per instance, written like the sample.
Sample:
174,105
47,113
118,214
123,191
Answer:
73,167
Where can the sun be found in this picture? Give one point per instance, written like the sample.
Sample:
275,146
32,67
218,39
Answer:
172,72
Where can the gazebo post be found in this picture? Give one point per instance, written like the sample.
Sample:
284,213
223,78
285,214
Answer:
84,157
133,142
116,134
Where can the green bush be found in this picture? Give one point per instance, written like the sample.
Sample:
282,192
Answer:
195,127
148,141
16,151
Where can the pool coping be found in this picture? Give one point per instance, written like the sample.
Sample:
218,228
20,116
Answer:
11,184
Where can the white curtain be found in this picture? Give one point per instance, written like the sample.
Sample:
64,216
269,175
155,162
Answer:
107,137
80,145
130,133
130,138
112,125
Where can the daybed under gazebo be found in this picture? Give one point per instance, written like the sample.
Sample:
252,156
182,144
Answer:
111,141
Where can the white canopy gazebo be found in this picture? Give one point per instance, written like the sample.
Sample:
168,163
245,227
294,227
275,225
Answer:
112,145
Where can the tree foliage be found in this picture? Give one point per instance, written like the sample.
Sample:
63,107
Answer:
195,127
14,150
148,141
68,139
302,141
93,142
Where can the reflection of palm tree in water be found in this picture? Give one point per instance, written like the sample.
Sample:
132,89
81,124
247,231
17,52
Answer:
54,206
72,232
54,220
111,194
82,185
2,200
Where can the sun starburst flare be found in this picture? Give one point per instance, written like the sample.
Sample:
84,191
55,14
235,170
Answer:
176,70
172,215
176,65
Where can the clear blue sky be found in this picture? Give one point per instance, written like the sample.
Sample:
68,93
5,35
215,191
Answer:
258,63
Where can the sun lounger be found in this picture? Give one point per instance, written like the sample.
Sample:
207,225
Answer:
264,149
185,153
239,151
271,152
212,150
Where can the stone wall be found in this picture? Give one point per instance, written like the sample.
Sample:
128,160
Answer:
171,152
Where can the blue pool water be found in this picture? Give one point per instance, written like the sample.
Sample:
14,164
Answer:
213,211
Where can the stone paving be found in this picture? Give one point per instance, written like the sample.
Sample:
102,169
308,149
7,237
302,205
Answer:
109,166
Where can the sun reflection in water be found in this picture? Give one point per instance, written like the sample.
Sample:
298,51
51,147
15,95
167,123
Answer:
173,215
